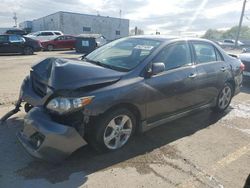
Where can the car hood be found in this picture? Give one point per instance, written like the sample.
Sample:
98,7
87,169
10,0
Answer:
62,74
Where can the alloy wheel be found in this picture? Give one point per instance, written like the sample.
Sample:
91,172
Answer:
225,97
50,47
117,132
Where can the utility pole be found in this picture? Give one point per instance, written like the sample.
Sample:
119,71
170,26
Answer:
240,23
15,18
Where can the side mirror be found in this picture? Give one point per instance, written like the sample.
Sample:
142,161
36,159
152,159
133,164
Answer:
157,68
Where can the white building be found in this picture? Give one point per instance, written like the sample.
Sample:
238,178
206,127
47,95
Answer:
75,23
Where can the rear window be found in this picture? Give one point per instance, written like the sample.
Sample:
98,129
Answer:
69,38
19,32
204,52
16,38
57,33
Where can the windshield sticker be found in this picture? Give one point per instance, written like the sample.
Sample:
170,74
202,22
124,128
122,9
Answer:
144,47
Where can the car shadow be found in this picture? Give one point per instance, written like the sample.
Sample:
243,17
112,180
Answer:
15,54
70,52
247,184
86,161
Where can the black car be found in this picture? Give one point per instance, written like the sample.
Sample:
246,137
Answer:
131,84
16,32
19,44
245,58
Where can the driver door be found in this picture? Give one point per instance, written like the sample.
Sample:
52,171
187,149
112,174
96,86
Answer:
173,90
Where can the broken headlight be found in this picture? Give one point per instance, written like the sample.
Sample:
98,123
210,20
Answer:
64,105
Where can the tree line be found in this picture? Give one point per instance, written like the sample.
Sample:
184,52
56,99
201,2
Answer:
214,34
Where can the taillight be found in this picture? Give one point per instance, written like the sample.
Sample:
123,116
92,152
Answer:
242,67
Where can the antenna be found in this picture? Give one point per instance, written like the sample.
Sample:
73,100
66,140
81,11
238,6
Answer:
15,19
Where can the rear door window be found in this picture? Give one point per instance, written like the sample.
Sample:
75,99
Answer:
57,33
61,38
45,34
204,52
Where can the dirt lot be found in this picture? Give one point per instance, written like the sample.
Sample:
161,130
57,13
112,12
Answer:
202,150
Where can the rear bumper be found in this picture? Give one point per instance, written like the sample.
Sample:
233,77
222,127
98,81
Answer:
45,139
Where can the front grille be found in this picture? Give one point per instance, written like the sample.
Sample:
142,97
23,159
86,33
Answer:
39,87
247,65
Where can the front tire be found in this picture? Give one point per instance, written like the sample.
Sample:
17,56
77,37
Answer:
112,130
50,47
224,98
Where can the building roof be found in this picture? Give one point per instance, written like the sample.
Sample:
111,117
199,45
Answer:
65,12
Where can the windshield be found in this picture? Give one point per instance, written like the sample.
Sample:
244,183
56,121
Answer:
123,54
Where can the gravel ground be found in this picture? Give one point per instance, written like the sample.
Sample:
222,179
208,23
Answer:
201,150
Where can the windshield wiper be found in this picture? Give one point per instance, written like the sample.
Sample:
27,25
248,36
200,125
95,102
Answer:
92,61
106,65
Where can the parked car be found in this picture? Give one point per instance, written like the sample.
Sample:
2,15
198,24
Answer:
245,58
128,85
86,43
18,44
44,35
230,43
61,42
16,32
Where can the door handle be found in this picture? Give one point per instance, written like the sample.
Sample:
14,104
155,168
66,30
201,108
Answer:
193,75
223,69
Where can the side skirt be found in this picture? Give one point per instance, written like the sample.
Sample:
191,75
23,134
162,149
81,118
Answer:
147,126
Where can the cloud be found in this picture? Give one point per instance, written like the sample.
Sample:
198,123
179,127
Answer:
170,17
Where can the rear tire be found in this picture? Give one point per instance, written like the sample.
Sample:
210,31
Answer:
224,98
112,130
28,50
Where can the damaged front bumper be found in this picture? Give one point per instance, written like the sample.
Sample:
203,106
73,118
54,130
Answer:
48,140
41,136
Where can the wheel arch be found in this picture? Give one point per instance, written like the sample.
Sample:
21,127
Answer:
232,83
129,106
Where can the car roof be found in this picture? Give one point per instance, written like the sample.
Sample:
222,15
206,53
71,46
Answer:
9,34
48,31
169,38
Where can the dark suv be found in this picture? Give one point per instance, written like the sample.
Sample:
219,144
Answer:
18,44
131,84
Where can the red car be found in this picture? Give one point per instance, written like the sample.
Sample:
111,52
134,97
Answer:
63,41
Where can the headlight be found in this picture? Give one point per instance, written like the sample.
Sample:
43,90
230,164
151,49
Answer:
63,105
